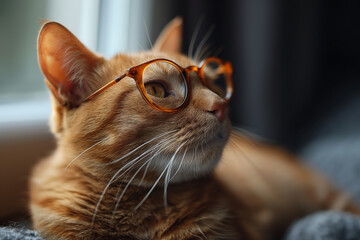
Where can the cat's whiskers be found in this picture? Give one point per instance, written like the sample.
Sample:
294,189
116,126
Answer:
103,194
168,174
158,151
201,232
202,42
125,188
152,188
193,38
147,34
128,184
166,144
84,152
146,169
161,148
135,174
139,147
118,192
128,165
204,53
180,164
145,154
197,236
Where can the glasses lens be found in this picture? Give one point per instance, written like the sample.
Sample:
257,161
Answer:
165,84
216,77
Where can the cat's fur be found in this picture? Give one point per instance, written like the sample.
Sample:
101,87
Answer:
254,193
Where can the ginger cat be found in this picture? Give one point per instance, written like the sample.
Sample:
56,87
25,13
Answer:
123,169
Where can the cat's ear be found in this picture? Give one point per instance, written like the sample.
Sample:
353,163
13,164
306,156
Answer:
66,63
170,38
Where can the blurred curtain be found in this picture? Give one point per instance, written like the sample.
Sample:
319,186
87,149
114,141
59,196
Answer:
290,58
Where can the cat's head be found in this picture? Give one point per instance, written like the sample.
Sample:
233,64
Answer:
117,131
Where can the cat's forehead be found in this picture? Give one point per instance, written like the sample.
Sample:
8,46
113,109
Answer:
126,61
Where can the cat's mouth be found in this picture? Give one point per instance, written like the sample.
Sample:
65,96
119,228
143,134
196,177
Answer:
212,142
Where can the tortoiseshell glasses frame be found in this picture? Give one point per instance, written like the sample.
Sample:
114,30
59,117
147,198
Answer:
137,73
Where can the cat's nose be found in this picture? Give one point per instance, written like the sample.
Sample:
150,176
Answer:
218,109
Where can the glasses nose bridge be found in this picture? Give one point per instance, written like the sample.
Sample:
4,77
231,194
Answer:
196,69
190,69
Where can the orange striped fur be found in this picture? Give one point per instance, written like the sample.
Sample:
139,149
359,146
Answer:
255,191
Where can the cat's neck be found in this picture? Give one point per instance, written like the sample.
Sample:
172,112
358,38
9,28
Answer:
145,210
139,174
136,194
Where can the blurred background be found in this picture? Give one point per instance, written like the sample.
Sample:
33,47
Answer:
296,72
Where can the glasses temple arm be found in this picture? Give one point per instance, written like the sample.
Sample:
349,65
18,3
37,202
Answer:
103,88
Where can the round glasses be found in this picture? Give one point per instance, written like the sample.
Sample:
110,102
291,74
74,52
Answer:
165,85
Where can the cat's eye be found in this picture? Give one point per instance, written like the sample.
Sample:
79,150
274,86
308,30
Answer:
171,90
217,77
156,89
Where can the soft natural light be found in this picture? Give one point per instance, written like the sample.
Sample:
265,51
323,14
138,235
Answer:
107,27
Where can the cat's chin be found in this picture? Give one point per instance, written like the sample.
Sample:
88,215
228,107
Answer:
193,168
197,161
201,159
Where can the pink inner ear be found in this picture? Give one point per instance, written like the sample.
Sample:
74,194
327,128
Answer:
170,38
64,61
172,44
56,72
